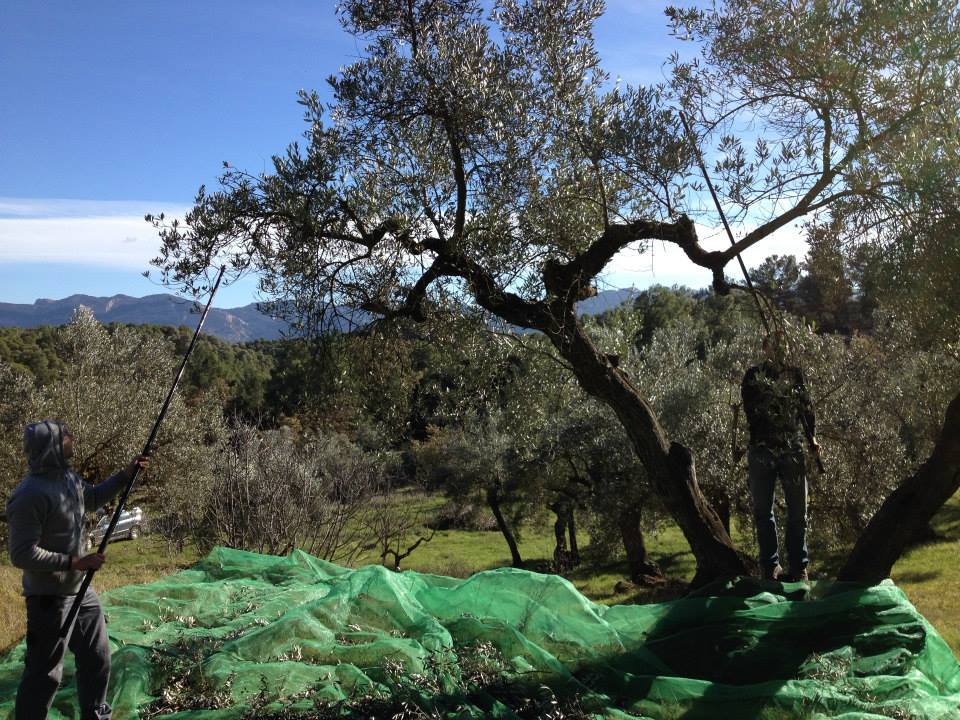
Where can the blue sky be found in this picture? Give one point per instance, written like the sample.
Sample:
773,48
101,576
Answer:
114,109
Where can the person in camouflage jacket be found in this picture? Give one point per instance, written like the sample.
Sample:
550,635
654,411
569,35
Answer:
780,415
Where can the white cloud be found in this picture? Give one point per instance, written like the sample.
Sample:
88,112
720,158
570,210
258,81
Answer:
114,235
39,208
107,233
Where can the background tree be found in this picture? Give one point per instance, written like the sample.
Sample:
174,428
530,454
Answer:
484,160
478,464
18,402
31,351
605,476
108,389
268,493
109,393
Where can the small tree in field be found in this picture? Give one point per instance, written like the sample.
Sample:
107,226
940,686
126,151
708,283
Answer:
478,464
484,160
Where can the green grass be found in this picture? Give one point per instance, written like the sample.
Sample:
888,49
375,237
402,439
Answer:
929,573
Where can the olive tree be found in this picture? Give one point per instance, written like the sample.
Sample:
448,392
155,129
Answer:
480,410
597,470
270,493
479,464
474,159
109,393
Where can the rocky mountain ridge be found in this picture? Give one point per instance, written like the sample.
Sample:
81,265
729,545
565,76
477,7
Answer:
238,324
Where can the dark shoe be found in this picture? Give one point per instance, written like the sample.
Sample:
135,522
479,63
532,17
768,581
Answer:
100,712
800,576
771,573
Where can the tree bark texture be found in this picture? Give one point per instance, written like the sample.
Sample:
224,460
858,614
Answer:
493,500
909,508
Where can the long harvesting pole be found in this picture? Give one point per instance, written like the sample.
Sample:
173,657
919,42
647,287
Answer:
75,608
743,268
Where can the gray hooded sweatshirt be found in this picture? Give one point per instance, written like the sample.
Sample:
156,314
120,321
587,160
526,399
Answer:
45,513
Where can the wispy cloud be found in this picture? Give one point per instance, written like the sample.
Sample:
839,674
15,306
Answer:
114,235
42,208
107,233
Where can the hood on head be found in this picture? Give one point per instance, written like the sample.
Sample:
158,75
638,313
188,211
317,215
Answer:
43,446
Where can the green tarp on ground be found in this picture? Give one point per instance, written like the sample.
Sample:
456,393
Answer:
247,635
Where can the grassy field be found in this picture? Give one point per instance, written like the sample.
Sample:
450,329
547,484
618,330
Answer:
927,573
930,575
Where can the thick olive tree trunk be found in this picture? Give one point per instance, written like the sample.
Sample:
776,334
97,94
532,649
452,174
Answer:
909,508
669,465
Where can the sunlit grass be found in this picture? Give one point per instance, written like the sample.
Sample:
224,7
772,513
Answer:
930,574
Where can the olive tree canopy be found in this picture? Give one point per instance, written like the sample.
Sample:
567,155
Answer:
476,159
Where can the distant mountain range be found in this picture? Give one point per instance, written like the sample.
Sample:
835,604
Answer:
234,325
606,300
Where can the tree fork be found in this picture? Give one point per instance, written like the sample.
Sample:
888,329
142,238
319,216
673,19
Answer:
669,465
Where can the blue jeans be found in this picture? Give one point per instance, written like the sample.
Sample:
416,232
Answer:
43,667
766,466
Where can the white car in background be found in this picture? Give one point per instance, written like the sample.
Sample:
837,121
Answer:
129,526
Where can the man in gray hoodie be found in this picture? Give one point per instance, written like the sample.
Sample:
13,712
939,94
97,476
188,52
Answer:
45,518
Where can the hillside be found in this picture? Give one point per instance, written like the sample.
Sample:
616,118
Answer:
234,324
239,324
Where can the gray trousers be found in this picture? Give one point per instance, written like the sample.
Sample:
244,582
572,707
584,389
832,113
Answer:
44,658
765,468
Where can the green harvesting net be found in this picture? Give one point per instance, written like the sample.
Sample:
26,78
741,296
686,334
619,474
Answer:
246,635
